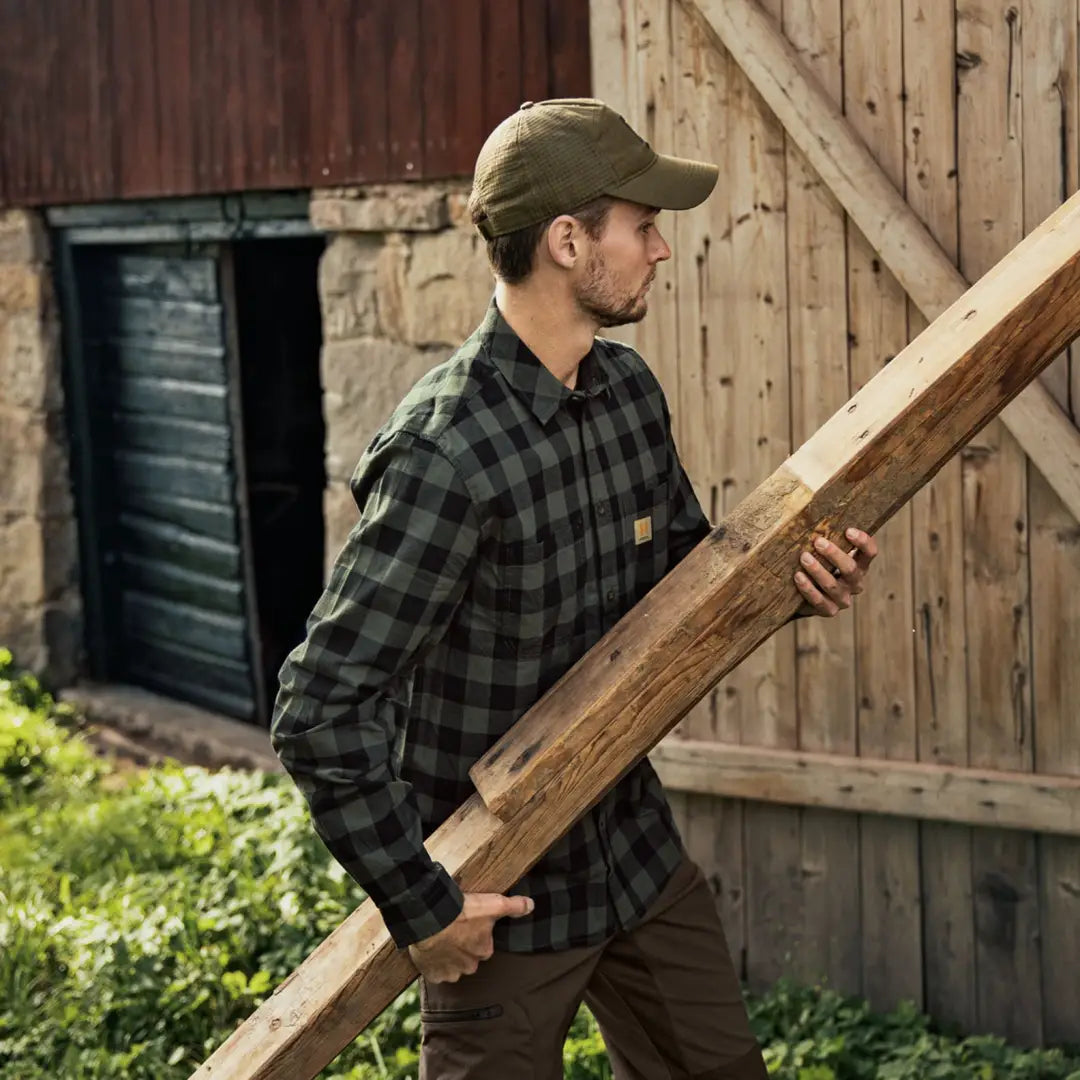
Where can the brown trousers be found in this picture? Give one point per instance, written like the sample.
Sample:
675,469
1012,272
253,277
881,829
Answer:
665,995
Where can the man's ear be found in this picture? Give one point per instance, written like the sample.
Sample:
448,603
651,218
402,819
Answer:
564,241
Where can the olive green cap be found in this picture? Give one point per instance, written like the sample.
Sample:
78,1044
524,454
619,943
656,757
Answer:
551,157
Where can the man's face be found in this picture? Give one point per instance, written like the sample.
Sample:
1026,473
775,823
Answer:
621,265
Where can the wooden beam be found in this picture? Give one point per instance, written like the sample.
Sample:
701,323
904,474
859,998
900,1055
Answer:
1009,800
720,603
816,125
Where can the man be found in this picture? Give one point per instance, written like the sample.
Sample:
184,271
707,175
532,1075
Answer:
523,496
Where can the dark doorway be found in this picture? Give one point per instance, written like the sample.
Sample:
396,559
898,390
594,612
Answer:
279,330
195,414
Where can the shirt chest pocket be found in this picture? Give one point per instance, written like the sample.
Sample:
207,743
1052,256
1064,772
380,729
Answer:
539,588
644,517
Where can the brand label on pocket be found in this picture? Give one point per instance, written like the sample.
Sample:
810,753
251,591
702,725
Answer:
643,530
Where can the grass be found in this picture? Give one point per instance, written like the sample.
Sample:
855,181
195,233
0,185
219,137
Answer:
145,913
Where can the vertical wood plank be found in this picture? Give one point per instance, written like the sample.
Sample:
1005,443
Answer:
938,536
825,660
468,132
568,47
1049,127
171,25
758,699
440,67
535,59
652,116
135,100
611,33
996,532
500,66
405,76
703,406
873,102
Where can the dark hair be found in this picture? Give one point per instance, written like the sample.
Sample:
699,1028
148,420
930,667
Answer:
513,256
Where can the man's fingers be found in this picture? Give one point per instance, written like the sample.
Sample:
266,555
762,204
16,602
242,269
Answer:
866,546
820,603
496,906
839,558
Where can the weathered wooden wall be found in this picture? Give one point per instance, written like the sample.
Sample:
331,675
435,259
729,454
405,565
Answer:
112,99
966,650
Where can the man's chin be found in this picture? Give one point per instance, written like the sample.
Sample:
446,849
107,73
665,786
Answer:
627,316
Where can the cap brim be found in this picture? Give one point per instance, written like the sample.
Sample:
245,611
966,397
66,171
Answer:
670,183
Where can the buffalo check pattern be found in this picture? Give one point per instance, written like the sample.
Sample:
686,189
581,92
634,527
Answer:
499,538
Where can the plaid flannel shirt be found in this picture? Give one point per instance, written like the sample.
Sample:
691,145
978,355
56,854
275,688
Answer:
506,524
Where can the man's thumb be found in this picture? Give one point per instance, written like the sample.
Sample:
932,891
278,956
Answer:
516,906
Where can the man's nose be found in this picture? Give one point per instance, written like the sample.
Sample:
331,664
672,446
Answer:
660,250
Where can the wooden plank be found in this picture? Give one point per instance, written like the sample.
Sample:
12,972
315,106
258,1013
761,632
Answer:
201,480
879,210
178,584
758,699
189,438
502,67
1009,993
468,129
884,644
163,540
404,89
959,795
727,596
1049,123
568,48
611,26
171,398
702,402
535,58
153,616
167,359
824,654
213,520
652,115
439,64
938,537
371,135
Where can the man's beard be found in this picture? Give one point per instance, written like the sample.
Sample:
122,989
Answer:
598,298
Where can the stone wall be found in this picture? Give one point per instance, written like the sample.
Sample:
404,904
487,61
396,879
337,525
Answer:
40,610
404,280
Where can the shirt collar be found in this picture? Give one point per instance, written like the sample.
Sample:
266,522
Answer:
527,376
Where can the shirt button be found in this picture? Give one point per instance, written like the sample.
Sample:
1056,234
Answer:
611,596
601,510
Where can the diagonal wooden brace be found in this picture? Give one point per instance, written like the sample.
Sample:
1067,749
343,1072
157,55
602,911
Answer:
721,602
815,124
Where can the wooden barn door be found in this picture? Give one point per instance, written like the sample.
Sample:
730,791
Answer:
171,608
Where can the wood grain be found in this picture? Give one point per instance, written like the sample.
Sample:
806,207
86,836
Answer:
819,129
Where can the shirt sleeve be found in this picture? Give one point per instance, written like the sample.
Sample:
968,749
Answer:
688,525
343,696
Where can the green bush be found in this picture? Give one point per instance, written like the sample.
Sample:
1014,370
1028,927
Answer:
143,914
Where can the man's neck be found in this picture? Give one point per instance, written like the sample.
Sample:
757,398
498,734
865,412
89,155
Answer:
553,327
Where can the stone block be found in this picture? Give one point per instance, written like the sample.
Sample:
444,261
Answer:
20,288
30,362
34,473
363,381
22,563
347,278
381,208
433,289
23,238
457,208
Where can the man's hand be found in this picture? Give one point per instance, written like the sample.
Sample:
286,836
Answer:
458,949
831,577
